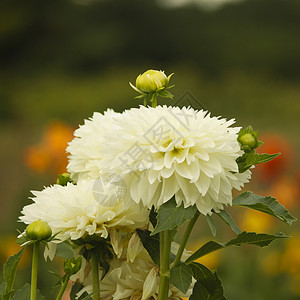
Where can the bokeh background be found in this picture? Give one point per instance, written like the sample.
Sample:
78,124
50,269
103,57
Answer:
61,60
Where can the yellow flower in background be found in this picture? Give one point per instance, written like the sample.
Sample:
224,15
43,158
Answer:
211,260
285,261
256,221
290,257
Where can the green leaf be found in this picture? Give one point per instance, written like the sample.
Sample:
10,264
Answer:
211,225
181,277
10,269
24,294
207,248
204,276
86,296
76,287
226,217
258,239
267,205
219,292
65,250
151,244
170,216
153,217
252,158
104,256
199,292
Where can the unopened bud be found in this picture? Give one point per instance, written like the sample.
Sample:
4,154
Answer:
152,84
151,81
72,265
248,139
63,179
38,230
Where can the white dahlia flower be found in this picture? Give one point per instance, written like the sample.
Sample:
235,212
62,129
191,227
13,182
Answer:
132,281
165,151
85,148
161,152
74,211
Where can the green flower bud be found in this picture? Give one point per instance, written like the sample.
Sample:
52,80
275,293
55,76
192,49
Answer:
38,230
63,179
152,81
72,265
248,140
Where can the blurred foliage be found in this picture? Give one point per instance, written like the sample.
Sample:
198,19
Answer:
257,35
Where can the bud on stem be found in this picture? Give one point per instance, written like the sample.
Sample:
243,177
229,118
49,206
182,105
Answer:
38,231
152,84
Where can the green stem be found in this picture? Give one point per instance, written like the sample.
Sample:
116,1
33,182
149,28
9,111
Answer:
63,288
145,101
34,270
95,276
154,100
185,238
165,250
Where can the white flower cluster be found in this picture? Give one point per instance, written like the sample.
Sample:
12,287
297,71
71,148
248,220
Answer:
121,166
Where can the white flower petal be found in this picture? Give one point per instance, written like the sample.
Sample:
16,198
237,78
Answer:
150,284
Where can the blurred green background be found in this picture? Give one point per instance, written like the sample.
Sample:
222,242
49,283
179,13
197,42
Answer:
62,60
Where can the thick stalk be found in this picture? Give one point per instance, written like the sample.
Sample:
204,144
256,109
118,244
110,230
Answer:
185,238
145,101
63,288
95,276
34,270
165,248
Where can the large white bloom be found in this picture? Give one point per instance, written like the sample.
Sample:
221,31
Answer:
77,210
167,151
85,148
161,152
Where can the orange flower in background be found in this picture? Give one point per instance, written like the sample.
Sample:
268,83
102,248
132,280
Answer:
37,158
50,154
274,143
286,191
